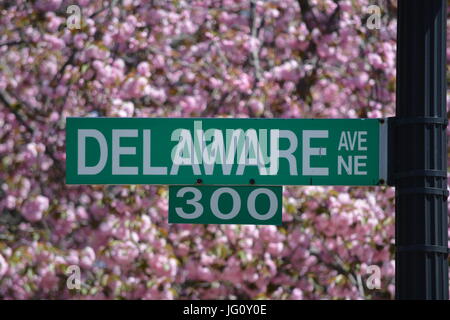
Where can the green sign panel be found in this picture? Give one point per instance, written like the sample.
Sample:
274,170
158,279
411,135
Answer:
185,151
225,205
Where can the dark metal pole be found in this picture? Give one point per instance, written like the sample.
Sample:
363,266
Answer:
419,143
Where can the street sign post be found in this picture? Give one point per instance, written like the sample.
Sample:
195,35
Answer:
419,159
219,151
267,153
225,205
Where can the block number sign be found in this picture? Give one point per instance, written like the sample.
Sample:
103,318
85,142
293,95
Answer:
225,204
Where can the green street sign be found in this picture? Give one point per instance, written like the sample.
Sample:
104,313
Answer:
225,204
224,151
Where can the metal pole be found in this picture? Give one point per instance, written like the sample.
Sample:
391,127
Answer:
419,144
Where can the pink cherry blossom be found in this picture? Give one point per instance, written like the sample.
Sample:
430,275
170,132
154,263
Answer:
3,266
48,5
33,209
87,257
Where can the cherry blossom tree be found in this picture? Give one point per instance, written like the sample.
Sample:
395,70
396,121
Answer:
180,58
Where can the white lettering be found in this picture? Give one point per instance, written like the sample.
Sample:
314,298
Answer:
308,151
147,165
117,151
97,135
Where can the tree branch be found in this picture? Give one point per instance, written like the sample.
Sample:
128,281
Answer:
25,122
254,35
